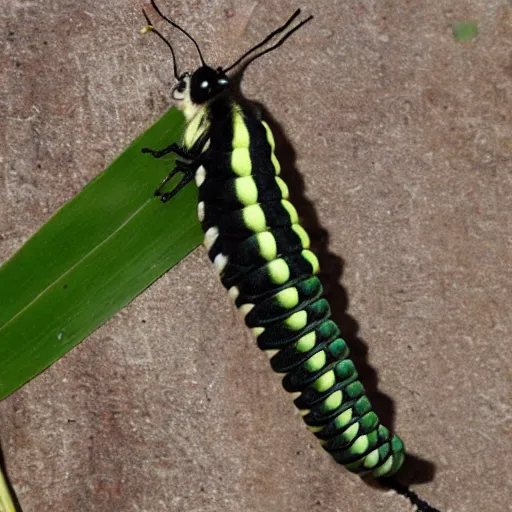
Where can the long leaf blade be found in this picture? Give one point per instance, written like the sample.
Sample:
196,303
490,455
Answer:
93,257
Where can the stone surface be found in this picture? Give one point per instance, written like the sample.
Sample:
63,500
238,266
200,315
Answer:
403,142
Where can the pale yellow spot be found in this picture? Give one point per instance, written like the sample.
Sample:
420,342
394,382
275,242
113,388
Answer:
240,132
257,331
200,175
288,298
270,135
343,418
324,382
210,236
233,292
382,470
195,129
271,353
301,233
334,401
303,412
371,459
220,261
246,190
275,163
307,342
241,162
351,432
245,309
292,212
206,146
297,321
278,271
313,260
267,245
315,362
315,429
254,218
285,193
360,445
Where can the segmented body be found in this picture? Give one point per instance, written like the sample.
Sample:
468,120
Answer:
254,238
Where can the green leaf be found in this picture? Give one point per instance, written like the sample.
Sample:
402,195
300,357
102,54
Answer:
96,254
465,31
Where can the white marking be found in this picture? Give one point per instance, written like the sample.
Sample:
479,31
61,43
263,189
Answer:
220,262
245,309
204,84
177,95
257,331
200,211
233,292
210,236
200,175
180,95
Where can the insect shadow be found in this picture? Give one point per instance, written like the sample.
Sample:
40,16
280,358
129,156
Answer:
415,469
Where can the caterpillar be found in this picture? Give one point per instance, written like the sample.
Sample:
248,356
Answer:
254,238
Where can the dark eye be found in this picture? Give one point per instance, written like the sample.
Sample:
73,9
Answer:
181,86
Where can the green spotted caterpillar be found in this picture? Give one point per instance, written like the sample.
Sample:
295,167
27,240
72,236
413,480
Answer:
262,253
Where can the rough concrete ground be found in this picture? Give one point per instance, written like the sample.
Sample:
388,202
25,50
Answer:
403,140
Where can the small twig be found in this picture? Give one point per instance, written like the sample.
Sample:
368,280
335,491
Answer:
403,490
6,502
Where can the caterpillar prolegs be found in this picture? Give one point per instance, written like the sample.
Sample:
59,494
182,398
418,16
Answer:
262,253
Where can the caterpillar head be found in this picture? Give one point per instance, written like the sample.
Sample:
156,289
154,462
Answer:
200,86
194,90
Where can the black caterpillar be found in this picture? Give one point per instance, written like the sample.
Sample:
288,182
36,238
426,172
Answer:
254,238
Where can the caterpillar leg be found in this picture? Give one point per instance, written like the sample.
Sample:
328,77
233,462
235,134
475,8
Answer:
188,174
173,148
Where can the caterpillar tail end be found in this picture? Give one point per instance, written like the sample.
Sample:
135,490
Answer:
394,462
383,461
